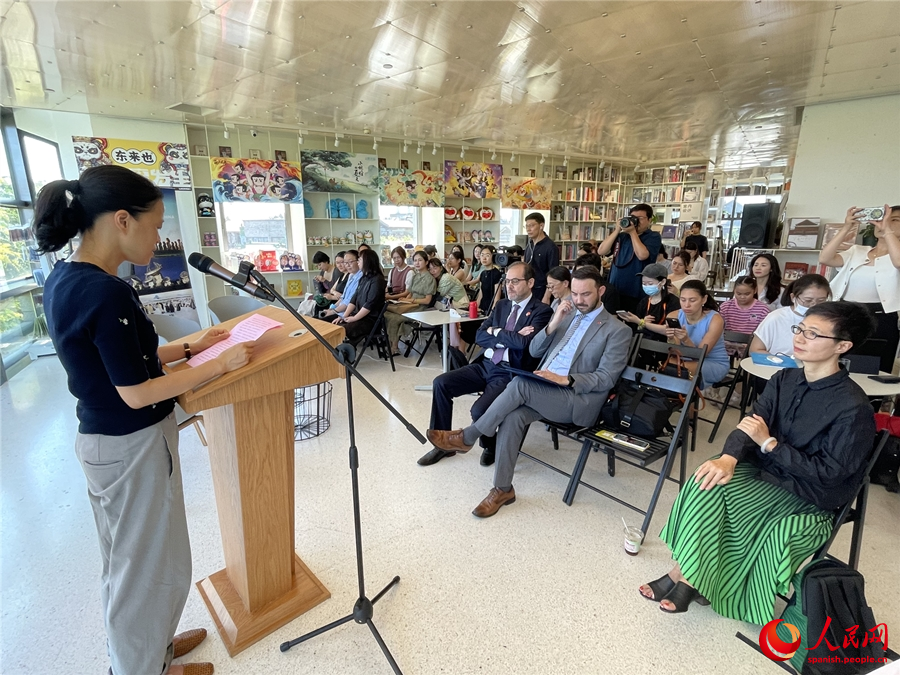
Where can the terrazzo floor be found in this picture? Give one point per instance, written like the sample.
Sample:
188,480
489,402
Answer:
540,588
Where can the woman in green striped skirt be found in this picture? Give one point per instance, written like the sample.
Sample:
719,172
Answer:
740,529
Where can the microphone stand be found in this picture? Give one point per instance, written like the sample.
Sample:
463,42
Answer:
344,354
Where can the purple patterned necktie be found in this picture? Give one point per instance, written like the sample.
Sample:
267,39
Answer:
510,325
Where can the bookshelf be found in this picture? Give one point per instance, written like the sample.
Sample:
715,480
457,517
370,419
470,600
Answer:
587,200
676,193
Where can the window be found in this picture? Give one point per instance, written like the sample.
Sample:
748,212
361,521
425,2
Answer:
510,226
43,161
14,261
399,225
250,228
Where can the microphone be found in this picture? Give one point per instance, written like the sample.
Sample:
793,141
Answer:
209,266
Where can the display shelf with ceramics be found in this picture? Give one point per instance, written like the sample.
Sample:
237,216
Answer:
338,221
471,221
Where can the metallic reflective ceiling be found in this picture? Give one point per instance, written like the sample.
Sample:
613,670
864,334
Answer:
637,80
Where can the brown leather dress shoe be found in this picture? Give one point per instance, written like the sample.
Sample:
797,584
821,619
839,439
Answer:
186,641
447,440
492,503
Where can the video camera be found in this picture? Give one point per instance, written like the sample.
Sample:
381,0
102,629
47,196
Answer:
503,258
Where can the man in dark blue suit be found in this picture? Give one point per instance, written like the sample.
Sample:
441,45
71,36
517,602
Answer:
505,337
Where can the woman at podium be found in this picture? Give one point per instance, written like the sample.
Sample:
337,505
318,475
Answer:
127,441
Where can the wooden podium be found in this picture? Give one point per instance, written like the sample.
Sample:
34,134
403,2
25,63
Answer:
249,419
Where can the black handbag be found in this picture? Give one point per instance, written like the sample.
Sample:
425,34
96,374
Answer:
637,409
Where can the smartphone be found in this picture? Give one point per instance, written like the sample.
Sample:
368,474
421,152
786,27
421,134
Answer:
621,313
673,323
885,379
871,213
631,442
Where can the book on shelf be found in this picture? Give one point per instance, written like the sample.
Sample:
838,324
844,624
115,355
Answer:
676,175
294,288
803,233
577,173
794,270
658,176
557,212
695,174
591,173
691,194
832,230
561,172
669,231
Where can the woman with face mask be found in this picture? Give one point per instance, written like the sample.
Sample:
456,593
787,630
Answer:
773,336
656,304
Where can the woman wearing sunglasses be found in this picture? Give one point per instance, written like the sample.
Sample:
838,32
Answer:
748,518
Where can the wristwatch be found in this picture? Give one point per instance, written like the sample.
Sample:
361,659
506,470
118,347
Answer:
571,381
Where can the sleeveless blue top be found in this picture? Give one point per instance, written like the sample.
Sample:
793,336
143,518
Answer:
717,362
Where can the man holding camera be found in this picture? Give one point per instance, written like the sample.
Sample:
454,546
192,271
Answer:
541,253
633,245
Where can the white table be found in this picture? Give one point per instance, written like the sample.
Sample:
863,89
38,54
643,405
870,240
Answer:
436,317
871,388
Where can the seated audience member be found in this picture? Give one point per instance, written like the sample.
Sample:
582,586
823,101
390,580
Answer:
475,270
657,304
773,335
365,247
559,280
701,326
400,276
871,276
679,275
351,264
698,266
611,294
448,286
456,265
515,249
765,269
583,351
462,254
662,258
490,290
740,529
421,292
338,284
742,313
587,248
505,337
323,280
431,250
364,307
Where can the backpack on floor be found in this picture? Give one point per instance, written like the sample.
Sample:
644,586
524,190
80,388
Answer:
827,589
888,463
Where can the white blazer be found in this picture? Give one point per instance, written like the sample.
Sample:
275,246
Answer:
887,277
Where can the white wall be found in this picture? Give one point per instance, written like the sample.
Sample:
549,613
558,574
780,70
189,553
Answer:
848,154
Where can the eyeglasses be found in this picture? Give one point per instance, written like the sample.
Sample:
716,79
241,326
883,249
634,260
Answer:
811,334
513,282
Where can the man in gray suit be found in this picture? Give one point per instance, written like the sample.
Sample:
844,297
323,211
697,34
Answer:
584,350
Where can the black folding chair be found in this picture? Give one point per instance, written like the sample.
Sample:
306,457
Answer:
854,511
377,338
735,375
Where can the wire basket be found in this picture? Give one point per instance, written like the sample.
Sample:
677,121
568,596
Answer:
312,410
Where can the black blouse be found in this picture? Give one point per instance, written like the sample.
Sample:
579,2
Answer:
825,431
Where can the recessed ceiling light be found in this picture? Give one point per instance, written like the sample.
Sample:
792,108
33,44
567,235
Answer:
605,14
622,35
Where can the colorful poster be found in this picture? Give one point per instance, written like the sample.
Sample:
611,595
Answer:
166,164
327,171
526,193
255,180
472,179
403,187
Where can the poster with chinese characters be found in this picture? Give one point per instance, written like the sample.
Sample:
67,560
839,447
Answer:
167,165
403,187
327,171
526,193
472,179
255,180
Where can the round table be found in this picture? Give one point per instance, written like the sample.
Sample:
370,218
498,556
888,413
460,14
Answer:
871,388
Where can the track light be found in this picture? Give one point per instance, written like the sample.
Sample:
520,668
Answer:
434,149
462,152
226,133
405,146
566,160
299,138
337,142
375,143
512,157
543,158
636,167
493,154
419,149
602,164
